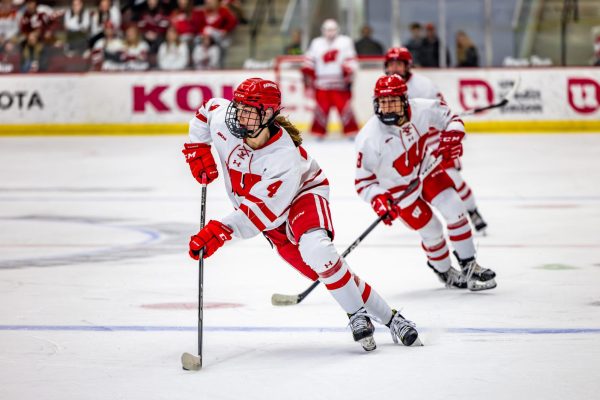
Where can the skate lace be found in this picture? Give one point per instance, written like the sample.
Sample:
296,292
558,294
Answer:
453,277
400,326
358,320
472,267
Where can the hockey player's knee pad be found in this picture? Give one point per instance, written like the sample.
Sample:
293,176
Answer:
432,233
317,250
450,205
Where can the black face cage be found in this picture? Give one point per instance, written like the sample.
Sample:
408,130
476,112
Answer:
256,119
233,123
390,118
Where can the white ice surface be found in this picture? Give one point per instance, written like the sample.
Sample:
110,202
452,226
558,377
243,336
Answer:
95,281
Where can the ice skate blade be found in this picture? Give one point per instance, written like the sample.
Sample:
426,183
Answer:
418,342
476,286
190,362
368,343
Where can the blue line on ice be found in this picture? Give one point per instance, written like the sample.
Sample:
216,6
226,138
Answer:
281,329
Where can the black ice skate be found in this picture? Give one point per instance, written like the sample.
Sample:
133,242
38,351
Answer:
451,278
478,278
403,330
478,223
362,329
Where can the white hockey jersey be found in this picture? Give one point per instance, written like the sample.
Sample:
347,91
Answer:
390,157
262,183
420,86
328,59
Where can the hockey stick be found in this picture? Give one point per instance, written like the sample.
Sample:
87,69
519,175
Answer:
191,362
292,299
504,101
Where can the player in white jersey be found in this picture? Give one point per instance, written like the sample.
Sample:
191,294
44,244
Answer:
398,60
392,148
329,67
277,189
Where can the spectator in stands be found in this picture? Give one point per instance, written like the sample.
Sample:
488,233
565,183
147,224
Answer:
153,24
107,11
136,51
181,20
206,55
430,50
108,51
9,24
415,43
34,18
294,48
466,52
34,54
367,46
77,25
237,9
173,54
215,20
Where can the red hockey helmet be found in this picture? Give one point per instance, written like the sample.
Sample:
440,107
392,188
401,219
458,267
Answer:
391,86
259,93
398,54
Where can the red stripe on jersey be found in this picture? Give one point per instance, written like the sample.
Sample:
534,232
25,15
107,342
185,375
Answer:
252,217
458,238
325,213
366,293
459,224
435,247
330,272
313,178
341,283
439,258
364,187
368,178
201,117
213,107
461,187
324,183
303,152
262,206
466,196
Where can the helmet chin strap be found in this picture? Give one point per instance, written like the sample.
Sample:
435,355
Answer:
262,125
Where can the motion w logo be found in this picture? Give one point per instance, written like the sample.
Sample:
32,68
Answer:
584,95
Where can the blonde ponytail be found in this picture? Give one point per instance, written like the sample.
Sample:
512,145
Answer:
290,129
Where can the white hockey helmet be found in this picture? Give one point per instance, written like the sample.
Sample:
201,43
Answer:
330,29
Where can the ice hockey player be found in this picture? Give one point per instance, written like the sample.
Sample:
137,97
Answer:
277,189
398,60
328,68
392,148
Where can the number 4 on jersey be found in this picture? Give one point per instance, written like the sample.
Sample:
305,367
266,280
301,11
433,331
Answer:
241,184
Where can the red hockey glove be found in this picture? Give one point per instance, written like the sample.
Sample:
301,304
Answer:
211,237
200,159
450,147
384,206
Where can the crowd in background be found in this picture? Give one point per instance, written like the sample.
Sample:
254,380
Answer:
134,35
423,44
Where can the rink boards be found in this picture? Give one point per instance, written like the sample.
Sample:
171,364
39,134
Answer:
547,99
